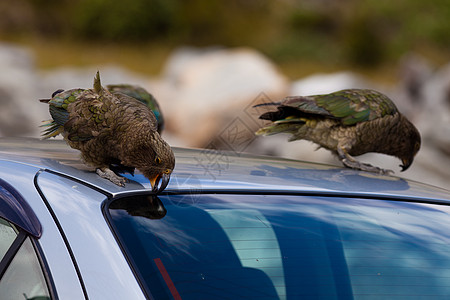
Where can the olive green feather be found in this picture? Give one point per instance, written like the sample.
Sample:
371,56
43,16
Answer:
354,106
350,106
347,122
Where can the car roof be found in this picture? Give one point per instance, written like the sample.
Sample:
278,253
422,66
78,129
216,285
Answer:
206,171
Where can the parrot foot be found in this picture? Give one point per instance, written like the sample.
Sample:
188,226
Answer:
107,173
350,162
354,164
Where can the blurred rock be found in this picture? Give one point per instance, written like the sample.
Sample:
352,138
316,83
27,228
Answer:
17,86
204,91
434,125
435,118
328,83
15,58
21,86
414,73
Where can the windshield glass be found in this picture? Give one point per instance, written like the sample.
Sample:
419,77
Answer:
284,247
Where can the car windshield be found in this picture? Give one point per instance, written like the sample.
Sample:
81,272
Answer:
284,246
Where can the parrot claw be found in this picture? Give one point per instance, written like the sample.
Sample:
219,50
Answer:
354,164
386,172
111,176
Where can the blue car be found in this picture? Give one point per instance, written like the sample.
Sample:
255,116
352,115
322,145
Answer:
228,226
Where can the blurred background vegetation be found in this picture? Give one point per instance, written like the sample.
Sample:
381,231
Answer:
299,36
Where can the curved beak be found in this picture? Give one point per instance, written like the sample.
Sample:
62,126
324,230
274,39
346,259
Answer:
159,182
406,164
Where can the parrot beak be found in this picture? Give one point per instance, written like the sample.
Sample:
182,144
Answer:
406,163
159,182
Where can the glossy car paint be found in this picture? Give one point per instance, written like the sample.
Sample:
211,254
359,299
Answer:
208,170
67,198
79,211
14,207
52,244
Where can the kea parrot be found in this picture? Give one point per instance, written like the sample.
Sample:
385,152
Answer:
111,129
142,95
348,123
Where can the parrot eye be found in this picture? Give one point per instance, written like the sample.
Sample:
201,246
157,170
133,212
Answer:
416,147
157,160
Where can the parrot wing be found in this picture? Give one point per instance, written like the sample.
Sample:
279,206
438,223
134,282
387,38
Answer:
143,96
350,106
138,110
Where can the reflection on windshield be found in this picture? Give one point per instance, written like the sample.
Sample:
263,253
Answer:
262,251
286,247
147,206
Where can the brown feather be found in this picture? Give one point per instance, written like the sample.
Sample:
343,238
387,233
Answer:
109,128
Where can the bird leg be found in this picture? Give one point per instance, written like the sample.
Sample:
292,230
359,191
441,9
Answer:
350,162
107,173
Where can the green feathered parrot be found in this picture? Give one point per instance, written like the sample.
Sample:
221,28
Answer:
111,130
349,123
142,95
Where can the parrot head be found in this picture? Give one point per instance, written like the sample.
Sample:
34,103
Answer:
151,155
158,179
159,165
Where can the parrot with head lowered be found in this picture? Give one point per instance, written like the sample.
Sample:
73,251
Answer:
348,123
111,129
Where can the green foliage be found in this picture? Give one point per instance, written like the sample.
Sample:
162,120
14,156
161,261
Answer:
362,32
117,20
313,20
229,23
363,43
195,22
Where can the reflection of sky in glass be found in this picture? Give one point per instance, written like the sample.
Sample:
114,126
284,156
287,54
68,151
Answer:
254,241
397,249
24,279
303,247
174,235
7,237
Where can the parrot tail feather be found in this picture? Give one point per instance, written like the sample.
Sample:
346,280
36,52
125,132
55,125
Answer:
53,129
280,127
268,104
291,120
